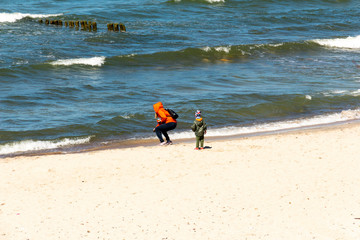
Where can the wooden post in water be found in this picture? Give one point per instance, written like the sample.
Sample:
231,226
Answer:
89,26
116,27
110,27
82,23
94,26
122,27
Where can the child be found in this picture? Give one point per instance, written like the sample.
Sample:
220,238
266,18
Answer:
199,127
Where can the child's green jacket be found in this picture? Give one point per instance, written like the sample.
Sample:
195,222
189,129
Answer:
199,127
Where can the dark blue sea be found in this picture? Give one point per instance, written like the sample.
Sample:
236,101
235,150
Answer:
249,66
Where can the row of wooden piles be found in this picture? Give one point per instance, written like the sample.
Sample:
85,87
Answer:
85,25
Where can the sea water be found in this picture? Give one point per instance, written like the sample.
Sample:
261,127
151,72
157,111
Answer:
249,66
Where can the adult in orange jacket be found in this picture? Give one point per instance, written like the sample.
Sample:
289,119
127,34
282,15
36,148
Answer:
165,123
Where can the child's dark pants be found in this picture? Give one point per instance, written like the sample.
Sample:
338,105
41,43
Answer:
162,129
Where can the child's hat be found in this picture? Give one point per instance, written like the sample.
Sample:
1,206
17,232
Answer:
198,114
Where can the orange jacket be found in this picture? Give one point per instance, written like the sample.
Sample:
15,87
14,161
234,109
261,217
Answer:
162,113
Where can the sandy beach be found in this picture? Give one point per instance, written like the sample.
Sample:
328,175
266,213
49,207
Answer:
303,184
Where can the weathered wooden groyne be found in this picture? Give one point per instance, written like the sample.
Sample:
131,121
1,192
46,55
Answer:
84,25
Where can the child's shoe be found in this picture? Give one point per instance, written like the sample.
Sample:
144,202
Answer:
196,149
169,142
202,148
163,143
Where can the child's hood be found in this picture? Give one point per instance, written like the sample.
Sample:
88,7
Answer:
157,106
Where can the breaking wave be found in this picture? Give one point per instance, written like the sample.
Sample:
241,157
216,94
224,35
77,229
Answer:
13,17
33,146
37,145
343,116
211,54
94,61
348,43
208,54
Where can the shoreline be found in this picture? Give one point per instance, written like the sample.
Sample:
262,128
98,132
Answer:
293,185
151,142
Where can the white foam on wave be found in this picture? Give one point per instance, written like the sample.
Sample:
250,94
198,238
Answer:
217,49
37,145
94,61
347,43
215,1
13,17
127,116
209,1
354,93
346,115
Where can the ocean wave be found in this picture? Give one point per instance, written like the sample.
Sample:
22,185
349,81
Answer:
199,1
37,145
347,43
94,61
354,93
343,116
194,56
215,1
211,54
13,17
190,56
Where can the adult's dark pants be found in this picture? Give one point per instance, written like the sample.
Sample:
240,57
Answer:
163,129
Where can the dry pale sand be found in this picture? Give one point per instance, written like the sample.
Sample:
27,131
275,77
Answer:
297,185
